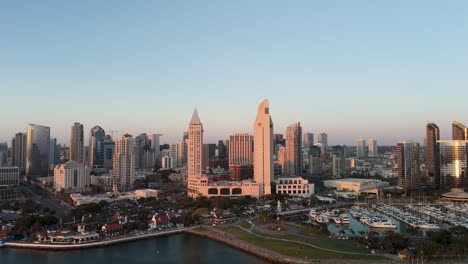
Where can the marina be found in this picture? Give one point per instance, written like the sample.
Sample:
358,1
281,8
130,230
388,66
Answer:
413,220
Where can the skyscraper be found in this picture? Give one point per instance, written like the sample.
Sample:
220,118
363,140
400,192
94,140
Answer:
54,157
263,147
432,154
361,148
97,136
156,152
408,165
322,140
195,146
459,131
181,154
308,140
3,154
240,149
18,152
143,152
77,143
315,160
453,163
293,166
372,148
338,160
222,149
124,163
37,150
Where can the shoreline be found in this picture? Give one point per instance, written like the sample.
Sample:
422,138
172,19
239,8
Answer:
97,244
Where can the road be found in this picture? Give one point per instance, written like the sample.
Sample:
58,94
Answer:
44,198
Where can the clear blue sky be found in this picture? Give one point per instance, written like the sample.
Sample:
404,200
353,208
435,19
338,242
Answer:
353,69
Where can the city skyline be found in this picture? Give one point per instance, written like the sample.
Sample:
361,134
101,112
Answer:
142,68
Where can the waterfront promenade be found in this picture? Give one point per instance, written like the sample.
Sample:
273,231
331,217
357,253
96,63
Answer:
102,243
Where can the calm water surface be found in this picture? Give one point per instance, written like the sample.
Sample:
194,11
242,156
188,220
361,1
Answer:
181,248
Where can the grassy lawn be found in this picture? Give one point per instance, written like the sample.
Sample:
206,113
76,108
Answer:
293,249
245,224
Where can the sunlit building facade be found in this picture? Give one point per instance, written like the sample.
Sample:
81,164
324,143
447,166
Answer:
37,150
453,163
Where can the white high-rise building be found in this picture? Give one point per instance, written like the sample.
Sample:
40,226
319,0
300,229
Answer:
263,148
372,148
124,163
361,150
71,176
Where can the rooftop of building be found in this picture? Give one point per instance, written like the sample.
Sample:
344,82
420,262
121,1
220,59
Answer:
355,180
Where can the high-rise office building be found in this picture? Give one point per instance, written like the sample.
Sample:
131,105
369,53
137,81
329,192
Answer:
308,140
372,148
208,153
459,131
263,148
181,154
124,163
9,183
240,156
18,152
408,165
77,143
339,162
432,154
315,160
453,163
240,149
107,153
282,158
37,150
172,154
195,146
143,152
54,154
3,154
322,140
222,149
293,166
97,136
361,150
155,142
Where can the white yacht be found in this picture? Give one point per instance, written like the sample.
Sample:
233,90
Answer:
313,214
337,220
382,224
344,219
427,226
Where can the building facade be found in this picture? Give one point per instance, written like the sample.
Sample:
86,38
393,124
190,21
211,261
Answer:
293,163
361,150
97,136
294,186
77,143
315,160
18,152
9,183
263,148
37,150
453,163
124,163
408,165
194,156
432,154
459,131
71,177
372,148
308,140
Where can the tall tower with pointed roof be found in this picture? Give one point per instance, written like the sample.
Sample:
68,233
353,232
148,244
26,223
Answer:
195,146
263,147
